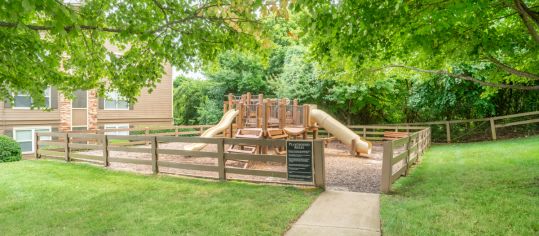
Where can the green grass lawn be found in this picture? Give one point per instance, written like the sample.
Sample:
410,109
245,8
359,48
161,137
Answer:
53,198
489,188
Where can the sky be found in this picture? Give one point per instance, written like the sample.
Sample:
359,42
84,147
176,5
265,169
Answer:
189,74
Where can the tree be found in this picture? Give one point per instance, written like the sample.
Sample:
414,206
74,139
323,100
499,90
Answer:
51,43
239,73
497,37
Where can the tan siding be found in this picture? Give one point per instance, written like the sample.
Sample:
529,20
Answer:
157,105
22,116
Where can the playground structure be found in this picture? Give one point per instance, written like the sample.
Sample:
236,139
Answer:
269,118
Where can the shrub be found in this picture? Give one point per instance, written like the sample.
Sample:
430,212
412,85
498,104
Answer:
9,149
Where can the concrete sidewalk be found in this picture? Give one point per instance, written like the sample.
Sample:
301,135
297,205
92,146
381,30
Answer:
340,213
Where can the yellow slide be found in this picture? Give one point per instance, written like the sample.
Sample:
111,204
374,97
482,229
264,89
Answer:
225,123
340,131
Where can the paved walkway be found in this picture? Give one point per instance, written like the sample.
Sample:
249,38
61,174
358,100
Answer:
340,213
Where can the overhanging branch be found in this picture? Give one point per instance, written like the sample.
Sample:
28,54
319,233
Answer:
465,77
511,70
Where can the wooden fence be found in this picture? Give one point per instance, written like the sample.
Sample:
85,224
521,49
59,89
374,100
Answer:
399,155
494,122
75,147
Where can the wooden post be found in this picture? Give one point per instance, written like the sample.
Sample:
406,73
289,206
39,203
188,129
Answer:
282,113
319,165
36,145
448,132
106,162
306,116
239,120
365,132
248,98
295,116
265,114
221,159
155,168
230,101
66,148
176,131
407,158
385,185
493,128
353,148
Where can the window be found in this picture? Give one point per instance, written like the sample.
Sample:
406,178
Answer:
115,102
25,137
80,100
24,101
117,126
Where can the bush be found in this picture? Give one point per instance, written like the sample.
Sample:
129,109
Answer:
9,149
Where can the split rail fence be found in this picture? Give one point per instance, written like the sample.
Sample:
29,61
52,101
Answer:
494,124
75,147
400,154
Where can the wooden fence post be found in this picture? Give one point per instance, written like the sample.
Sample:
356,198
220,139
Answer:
365,132
448,132
66,148
407,158
221,159
319,165
386,167
36,145
176,131
493,128
105,144
155,168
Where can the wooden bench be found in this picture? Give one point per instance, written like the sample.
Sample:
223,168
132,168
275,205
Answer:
388,135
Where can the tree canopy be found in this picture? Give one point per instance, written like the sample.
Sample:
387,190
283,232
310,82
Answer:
493,43
53,43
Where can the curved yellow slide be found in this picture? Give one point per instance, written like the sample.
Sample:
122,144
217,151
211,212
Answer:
340,131
225,123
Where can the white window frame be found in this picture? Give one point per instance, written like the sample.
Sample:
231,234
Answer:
117,126
49,91
118,99
33,130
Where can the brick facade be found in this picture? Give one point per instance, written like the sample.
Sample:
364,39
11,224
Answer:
93,104
64,106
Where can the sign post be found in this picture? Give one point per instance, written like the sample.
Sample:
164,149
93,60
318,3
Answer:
299,160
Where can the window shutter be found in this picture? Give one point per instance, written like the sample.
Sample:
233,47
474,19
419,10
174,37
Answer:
101,103
54,98
7,104
8,132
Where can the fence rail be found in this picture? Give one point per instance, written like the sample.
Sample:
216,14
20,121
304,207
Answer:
399,155
69,147
494,123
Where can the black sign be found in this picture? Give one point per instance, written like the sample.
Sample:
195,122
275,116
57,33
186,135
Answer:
299,159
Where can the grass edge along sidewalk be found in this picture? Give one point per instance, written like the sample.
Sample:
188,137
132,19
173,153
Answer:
53,198
487,188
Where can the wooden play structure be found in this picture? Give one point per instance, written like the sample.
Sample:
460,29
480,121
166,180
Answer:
281,118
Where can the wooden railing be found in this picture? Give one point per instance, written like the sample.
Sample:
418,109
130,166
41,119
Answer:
494,122
399,155
76,147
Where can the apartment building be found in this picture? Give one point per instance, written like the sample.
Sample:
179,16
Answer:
86,111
